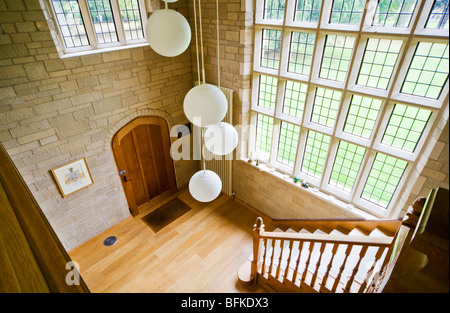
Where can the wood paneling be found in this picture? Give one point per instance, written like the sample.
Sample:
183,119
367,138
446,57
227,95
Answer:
32,258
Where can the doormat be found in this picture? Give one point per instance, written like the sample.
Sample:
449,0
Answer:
165,214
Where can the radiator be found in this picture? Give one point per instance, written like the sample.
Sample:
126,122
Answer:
222,165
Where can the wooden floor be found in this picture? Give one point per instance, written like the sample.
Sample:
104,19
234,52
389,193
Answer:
199,252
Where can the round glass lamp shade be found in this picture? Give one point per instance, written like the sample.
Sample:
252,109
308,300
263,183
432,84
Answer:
205,186
221,139
205,105
168,32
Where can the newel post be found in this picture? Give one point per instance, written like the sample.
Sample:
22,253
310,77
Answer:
258,229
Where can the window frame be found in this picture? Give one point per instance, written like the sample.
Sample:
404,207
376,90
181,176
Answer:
389,97
94,46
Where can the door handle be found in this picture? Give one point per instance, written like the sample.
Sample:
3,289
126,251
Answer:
125,179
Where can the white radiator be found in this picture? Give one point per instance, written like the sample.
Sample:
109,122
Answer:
222,165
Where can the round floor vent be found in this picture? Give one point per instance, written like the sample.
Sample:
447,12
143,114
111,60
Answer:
110,241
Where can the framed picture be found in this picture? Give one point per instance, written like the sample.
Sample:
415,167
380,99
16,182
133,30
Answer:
72,176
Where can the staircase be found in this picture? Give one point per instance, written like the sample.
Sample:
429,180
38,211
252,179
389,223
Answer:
338,256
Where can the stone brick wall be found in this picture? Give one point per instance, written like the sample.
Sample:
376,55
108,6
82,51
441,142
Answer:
53,111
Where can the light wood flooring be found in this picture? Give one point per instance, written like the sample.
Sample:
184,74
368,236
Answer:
199,252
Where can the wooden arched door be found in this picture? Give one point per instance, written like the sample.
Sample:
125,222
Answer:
142,153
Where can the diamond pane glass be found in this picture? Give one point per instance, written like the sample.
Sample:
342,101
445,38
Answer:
307,10
362,115
267,91
103,20
271,45
288,142
346,165
378,62
70,22
405,127
394,13
326,105
428,71
439,15
315,154
336,58
383,179
294,98
301,52
264,125
347,11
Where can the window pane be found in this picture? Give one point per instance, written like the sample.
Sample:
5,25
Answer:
274,9
264,126
428,71
71,23
287,145
315,153
383,179
394,13
378,62
439,15
362,115
347,11
271,44
103,21
307,10
336,58
131,18
346,165
267,92
294,98
326,104
301,52
405,127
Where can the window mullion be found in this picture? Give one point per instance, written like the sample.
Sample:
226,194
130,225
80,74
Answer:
118,21
87,18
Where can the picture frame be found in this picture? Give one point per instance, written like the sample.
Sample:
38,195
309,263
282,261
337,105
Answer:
72,176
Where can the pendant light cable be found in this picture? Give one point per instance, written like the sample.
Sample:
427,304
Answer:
196,41
167,6
218,55
201,39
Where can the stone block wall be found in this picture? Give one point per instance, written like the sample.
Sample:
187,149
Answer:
55,110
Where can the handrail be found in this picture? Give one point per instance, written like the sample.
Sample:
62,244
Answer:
327,238
274,244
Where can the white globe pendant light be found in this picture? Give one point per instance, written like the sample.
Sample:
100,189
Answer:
204,105
168,32
221,139
205,186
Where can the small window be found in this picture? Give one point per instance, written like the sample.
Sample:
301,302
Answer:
383,179
271,45
267,91
294,98
315,154
301,52
326,105
336,58
274,9
347,11
98,24
394,13
288,142
264,125
362,115
103,20
380,57
346,165
71,24
308,10
428,71
405,127
439,15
